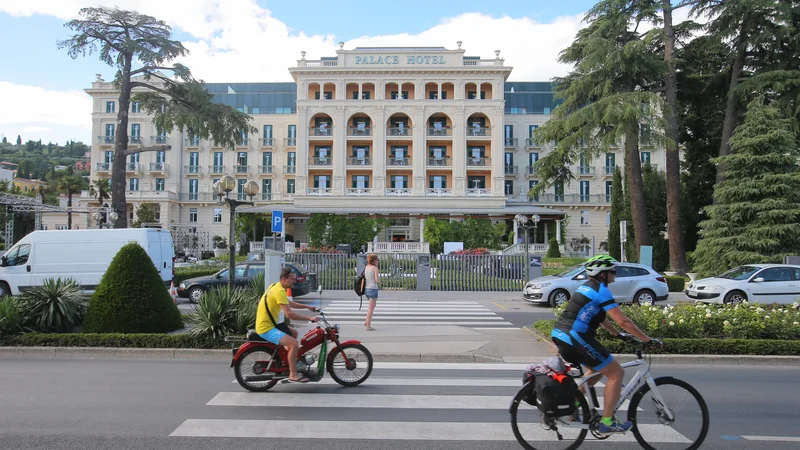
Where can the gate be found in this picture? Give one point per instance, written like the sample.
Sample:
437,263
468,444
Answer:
335,271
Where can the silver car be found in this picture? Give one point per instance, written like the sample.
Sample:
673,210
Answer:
635,283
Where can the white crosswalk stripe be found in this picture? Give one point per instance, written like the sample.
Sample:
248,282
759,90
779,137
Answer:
411,312
452,391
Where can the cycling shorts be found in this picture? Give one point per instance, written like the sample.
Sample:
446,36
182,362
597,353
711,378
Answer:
580,348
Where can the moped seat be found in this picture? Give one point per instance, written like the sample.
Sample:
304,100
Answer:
253,336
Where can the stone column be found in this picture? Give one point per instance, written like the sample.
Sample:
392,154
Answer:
420,152
378,151
558,231
339,152
302,152
516,232
422,231
459,153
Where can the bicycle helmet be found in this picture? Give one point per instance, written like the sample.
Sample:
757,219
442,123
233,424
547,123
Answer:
600,263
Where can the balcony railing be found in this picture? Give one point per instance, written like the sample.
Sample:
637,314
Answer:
320,191
438,192
531,143
192,142
158,167
356,161
530,170
483,62
272,197
267,142
398,191
478,131
216,169
241,169
511,170
290,142
359,191
320,131
585,170
290,169
133,167
511,142
479,192
571,199
135,139
198,197
440,131
192,169
315,161
479,162
397,132
359,131
108,140
392,161
162,139
266,169
102,167
243,142
609,170
151,195
439,162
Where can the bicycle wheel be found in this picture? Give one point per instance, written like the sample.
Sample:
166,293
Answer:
651,426
534,431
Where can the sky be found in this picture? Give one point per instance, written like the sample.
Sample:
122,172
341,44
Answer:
42,88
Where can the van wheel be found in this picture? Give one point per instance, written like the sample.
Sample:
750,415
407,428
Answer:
195,294
4,289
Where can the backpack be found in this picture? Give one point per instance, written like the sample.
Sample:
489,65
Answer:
361,287
555,393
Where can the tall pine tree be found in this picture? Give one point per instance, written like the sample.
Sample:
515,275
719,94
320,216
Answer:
756,218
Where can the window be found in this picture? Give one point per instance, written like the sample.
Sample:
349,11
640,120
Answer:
218,167
645,156
194,162
160,183
109,130
291,162
472,95
193,189
531,185
266,186
217,215
608,218
19,255
508,132
584,191
585,217
192,214
361,182
241,161
321,181
476,182
240,188
558,191
532,158
161,157
609,190
136,133
134,159
267,131
290,186
133,184
110,106
361,155
109,157
135,107
292,131
776,274
400,182
266,159
393,95
437,153
399,156
611,162
509,188
438,182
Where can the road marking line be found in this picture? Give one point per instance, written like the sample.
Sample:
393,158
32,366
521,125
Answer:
498,305
772,438
417,322
445,382
378,312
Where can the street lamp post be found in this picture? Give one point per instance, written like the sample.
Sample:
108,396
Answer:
110,215
522,221
222,189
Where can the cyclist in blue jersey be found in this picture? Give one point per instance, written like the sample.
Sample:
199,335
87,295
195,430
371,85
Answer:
574,334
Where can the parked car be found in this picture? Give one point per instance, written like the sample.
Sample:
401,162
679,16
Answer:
635,283
762,283
194,288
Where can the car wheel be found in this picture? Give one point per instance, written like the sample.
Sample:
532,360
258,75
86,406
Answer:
558,297
734,297
644,296
195,294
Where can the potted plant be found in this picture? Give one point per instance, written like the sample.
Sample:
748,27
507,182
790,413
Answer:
220,246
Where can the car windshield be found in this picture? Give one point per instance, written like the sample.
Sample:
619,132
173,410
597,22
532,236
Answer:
571,272
739,273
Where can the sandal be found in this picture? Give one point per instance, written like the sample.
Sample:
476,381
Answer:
370,329
299,380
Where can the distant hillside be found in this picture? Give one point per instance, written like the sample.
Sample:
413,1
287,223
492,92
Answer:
36,160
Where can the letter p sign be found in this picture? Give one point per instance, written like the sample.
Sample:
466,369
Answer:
277,221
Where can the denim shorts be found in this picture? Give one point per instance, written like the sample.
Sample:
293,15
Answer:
274,336
371,293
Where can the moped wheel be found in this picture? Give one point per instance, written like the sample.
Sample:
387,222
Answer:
254,362
352,367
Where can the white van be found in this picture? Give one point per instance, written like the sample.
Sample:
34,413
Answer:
83,255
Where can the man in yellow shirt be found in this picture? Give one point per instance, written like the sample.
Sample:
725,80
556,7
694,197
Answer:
273,307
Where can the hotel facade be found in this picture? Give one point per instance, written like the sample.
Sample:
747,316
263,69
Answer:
401,133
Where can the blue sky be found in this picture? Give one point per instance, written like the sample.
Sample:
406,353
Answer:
256,40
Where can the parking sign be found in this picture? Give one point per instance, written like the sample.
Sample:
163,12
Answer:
277,221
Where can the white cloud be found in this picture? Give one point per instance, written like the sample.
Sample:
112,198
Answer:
35,113
37,130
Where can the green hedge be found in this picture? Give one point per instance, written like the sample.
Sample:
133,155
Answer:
678,346
676,283
184,273
111,340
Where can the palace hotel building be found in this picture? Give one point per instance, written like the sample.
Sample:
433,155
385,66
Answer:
401,133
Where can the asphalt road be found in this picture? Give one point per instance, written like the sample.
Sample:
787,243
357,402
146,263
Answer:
141,404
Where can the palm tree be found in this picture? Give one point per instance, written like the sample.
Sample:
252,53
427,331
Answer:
100,188
70,184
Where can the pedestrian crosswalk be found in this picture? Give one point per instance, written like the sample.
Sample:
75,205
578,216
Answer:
412,312
400,401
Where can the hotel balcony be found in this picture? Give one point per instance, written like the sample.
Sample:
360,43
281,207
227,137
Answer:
359,132
356,161
160,140
191,142
273,197
320,191
440,131
191,170
398,191
511,170
105,140
241,170
511,142
440,162
585,171
320,132
198,197
608,171
268,142
479,162
478,192
133,167
397,162
266,170
530,171
478,132
290,142
151,195
359,191
290,169
243,142
532,143
134,139
398,132
438,192
102,167
569,199
315,161
158,168
216,170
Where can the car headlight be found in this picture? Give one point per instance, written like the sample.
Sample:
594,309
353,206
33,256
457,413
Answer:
714,288
538,285
182,285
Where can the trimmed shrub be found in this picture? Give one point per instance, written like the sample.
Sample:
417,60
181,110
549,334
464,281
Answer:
675,283
57,306
141,340
553,251
132,298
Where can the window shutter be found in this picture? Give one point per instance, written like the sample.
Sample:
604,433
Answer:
405,181
355,182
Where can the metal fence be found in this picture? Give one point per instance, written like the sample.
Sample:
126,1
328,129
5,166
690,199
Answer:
399,271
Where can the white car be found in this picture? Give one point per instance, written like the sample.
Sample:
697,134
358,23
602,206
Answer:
757,283
635,283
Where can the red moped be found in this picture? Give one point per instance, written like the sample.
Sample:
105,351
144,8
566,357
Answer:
259,365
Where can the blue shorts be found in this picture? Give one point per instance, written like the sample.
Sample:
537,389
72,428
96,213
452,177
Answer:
273,336
371,293
578,348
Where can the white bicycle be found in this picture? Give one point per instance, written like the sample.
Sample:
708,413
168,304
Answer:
666,413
